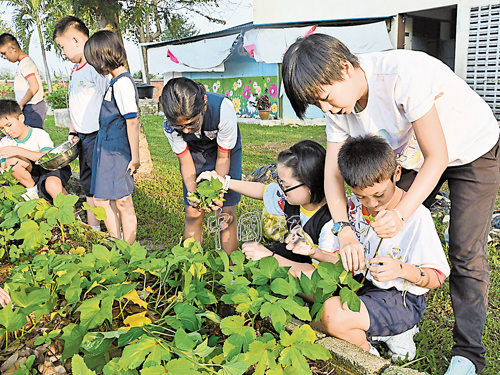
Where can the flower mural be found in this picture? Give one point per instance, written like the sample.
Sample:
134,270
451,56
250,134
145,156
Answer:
247,92
273,90
240,92
237,105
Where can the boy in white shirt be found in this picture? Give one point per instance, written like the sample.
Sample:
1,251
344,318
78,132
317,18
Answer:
27,83
86,90
32,143
400,270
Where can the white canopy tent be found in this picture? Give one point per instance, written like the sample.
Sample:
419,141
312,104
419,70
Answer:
269,45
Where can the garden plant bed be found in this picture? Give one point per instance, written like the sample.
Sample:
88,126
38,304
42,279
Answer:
158,204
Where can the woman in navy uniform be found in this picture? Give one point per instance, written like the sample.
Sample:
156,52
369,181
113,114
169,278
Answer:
203,131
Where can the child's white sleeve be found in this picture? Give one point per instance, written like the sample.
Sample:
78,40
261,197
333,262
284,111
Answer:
228,126
124,93
327,240
274,200
43,140
334,131
28,68
177,143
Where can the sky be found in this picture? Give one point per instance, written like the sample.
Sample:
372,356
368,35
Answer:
236,13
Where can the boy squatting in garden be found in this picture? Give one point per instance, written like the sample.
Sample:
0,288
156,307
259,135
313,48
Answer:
86,90
400,271
299,196
27,83
29,145
437,126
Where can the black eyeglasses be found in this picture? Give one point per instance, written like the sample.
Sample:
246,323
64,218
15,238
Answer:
285,191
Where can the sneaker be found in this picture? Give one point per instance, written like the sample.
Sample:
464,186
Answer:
461,366
31,193
401,347
373,350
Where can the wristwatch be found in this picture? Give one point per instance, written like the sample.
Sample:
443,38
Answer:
337,227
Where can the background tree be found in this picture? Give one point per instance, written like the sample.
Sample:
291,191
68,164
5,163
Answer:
4,27
151,20
31,16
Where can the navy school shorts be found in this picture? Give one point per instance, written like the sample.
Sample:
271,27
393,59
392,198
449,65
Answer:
39,175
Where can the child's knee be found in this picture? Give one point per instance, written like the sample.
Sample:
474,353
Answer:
53,185
125,205
193,214
332,316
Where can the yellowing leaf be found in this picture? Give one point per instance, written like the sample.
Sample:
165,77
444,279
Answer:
140,270
188,241
148,289
137,320
78,251
60,273
198,268
134,297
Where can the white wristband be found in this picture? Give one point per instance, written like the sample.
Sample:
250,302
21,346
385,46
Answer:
227,178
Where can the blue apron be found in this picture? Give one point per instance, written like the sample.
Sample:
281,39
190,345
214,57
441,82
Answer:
110,178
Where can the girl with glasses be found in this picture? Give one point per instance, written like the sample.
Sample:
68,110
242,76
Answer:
203,131
300,197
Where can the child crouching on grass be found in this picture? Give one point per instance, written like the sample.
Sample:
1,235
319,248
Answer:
401,269
116,151
300,197
30,145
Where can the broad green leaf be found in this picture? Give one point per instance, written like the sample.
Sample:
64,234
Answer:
113,368
283,287
352,283
187,315
78,366
266,270
233,367
353,301
294,308
132,335
263,355
32,234
95,311
135,354
95,343
99,212
12,320
72,335
175,367
34,298
278,315
329,271
25,208
203,350
306,284
182,341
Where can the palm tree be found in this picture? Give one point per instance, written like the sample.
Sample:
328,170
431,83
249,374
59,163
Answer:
31,16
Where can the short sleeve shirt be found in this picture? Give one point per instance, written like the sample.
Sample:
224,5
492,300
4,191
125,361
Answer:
25,69
402,87
124,93
227,136
37,140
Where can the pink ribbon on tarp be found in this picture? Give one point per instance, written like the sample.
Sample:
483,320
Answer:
250,49
172,57
311,30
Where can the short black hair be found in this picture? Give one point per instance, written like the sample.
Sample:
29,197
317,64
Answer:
311,62
307,160
366,160
182,97
9,38
105,52
9,107
67,22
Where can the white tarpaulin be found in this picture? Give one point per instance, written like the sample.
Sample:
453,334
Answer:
271,44
204,55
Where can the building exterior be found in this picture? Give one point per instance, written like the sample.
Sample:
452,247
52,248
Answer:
246,60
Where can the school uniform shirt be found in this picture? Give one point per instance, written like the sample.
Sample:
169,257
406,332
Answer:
227,134
37,140
25,69
417,244
402,87
274,201
86,90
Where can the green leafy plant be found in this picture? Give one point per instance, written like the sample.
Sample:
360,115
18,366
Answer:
58,99
206,192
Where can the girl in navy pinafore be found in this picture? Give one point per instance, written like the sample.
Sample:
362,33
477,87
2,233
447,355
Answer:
202,130
116,151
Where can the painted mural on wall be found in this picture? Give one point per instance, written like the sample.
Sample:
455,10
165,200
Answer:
241,90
